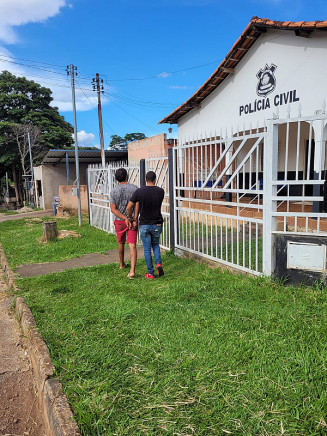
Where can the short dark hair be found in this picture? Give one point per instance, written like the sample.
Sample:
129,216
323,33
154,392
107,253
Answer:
150,176
121,175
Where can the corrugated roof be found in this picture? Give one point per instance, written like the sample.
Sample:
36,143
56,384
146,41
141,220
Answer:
252,32
84,156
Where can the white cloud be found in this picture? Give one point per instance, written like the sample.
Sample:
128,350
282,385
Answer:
164,75
85,139
18,12
86,99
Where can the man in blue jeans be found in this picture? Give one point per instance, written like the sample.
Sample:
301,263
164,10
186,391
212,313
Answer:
150,199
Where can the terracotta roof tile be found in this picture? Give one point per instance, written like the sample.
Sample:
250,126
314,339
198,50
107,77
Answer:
248,37
311,23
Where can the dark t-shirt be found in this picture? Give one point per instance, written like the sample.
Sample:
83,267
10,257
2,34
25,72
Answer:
150,199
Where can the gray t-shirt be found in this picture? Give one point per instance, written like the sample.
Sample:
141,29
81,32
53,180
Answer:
121,195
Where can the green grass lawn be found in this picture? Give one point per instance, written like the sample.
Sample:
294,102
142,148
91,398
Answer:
196,352
8,212
21,240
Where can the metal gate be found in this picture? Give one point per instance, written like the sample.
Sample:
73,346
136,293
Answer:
100,183
160,166
218,199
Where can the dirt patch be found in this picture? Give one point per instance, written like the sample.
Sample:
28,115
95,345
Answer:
62,234
19,408
25,209
68,234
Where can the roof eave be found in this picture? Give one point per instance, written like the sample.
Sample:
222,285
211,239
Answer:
249,36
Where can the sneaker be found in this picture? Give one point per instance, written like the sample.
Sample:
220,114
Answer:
149,276
160,270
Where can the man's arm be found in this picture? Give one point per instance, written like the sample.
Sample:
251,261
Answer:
136,210
118,214
129,210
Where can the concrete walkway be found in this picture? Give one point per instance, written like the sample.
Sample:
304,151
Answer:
18,216
92,259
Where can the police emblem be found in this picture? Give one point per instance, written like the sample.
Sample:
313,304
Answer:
267,80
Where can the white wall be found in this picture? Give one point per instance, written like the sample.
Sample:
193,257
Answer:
301,66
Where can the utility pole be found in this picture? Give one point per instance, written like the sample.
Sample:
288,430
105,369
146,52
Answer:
99,89
7,189
31,164
71,70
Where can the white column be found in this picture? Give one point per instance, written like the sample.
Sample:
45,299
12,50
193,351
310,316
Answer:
270,166
319,154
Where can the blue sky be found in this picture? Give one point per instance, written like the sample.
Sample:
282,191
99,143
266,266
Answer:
151,54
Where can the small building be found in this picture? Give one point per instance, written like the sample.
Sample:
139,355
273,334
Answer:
58,169
149,147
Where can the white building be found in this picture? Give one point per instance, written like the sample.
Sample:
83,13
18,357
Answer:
255,133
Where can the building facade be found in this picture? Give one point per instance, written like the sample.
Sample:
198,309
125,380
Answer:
252,152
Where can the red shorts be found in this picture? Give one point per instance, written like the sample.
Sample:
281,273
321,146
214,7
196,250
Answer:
121,232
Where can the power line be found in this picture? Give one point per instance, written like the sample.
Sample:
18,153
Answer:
9,59
140,121
141,105
158,75
94,107
148,103
32,66
34,61
45,81
145,101
37,67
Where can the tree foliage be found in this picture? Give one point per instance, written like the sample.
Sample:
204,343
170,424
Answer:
120,143
26,106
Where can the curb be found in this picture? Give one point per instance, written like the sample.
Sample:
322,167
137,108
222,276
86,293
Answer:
58,417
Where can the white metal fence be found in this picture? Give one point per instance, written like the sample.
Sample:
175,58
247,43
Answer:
233,193
217,194
100,183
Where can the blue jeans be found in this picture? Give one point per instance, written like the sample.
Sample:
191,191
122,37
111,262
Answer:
150,235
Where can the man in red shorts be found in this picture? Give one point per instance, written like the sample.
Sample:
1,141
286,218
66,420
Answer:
125,228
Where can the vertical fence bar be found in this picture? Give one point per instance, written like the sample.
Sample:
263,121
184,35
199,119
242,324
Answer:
269,190
171,172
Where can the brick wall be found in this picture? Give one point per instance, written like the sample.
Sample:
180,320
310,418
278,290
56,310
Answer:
149,147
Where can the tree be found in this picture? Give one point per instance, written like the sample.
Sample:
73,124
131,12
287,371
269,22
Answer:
119,143
27,104
21,132
130,137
